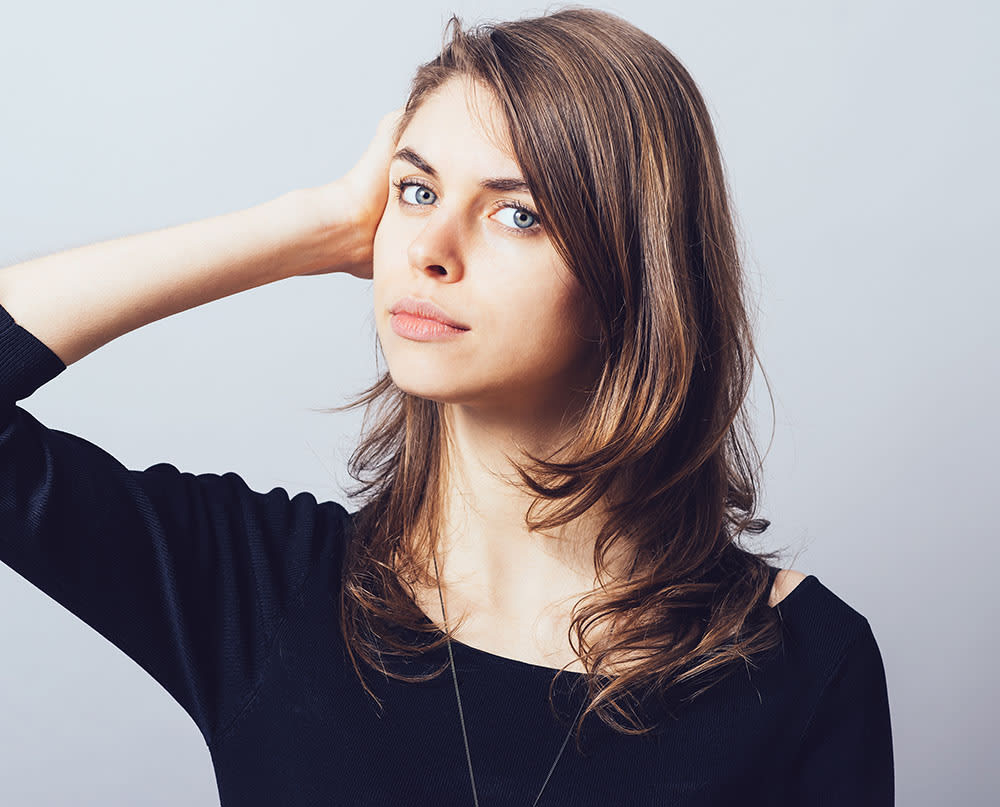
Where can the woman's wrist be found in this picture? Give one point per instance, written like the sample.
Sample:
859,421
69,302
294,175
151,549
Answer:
326,237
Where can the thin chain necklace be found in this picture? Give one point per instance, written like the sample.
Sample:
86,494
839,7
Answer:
461,717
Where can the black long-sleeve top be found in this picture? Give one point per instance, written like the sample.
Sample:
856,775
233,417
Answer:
227,597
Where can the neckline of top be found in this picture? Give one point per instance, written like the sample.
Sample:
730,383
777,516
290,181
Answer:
485,655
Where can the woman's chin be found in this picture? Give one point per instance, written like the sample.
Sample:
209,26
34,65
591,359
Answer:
441,390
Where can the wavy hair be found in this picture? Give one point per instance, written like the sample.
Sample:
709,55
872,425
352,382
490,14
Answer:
616,144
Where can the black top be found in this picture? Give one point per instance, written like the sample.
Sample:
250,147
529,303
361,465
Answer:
227,597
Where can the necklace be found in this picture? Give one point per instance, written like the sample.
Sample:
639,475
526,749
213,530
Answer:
461,717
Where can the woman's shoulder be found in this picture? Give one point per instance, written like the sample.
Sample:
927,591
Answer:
819,624
785,583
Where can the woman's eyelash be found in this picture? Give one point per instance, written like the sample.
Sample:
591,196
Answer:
401,184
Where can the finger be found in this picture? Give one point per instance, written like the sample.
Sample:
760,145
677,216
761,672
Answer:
389,122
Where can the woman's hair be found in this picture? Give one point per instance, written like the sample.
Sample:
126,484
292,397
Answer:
617,147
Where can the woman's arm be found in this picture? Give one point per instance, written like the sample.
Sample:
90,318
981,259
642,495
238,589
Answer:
190,575
78,300
846,755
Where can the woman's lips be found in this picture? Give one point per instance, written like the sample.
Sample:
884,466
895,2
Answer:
422,329
420,307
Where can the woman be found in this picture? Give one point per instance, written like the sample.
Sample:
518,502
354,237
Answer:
560,303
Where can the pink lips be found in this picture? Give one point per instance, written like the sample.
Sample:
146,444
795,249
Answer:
422,321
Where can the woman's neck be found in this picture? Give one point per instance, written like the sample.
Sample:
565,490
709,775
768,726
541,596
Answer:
488,559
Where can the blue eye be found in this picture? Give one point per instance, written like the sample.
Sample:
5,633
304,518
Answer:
520,214
424,196
404,186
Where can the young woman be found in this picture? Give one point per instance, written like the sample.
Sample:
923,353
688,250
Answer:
556,485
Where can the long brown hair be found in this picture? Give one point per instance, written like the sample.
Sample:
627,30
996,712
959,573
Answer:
617,147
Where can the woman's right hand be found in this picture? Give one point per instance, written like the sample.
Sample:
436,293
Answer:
360,197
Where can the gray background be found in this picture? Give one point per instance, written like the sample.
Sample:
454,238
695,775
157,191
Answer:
859,140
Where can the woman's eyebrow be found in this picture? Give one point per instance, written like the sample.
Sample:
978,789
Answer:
503,184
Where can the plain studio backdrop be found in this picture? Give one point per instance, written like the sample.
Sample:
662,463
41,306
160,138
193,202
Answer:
859,140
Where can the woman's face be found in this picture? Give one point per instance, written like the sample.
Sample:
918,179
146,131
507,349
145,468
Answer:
490,266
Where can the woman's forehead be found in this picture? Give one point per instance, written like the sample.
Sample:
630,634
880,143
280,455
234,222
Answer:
462,111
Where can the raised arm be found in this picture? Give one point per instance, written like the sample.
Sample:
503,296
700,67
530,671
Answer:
190,575
80,299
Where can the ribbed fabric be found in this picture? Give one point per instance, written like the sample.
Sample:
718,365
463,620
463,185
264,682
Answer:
228,597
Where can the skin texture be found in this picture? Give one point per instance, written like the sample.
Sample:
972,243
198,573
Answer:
517,374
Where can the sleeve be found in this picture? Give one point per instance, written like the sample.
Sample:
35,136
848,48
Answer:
189,575
845,756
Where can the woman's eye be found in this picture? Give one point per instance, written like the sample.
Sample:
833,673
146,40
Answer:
420,192
520,218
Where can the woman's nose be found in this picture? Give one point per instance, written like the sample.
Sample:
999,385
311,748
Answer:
437,247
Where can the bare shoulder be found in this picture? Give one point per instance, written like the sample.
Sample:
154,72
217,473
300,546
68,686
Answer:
784,584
